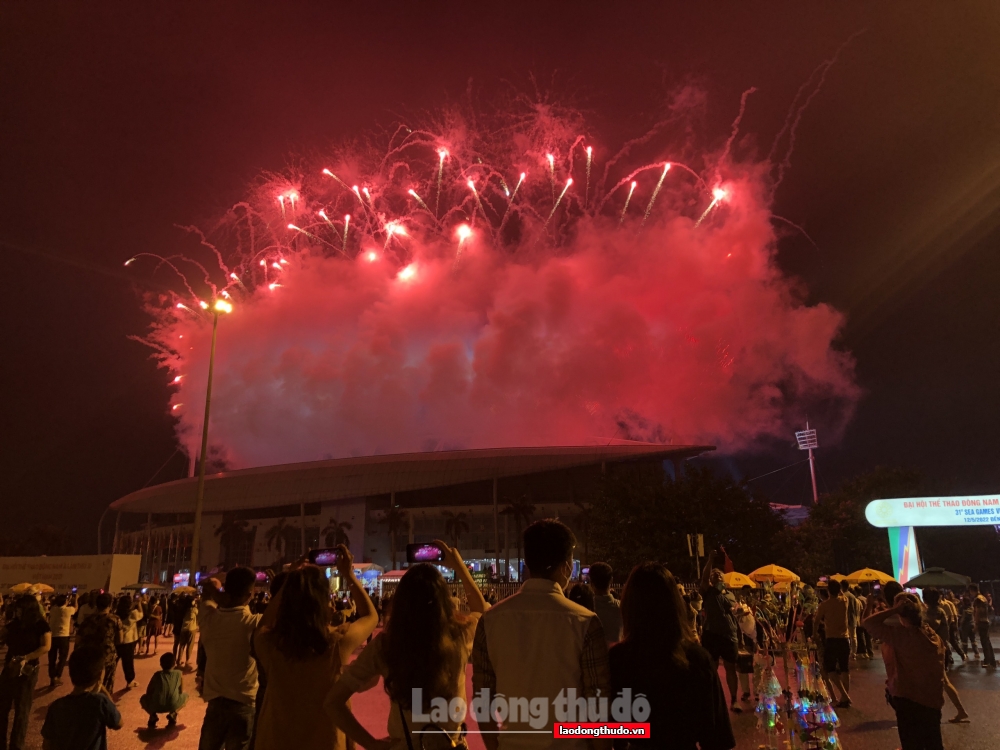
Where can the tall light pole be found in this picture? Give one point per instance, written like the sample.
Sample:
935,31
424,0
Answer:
807,442
221,306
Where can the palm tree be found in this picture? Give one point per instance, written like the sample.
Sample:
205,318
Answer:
395,521
455,525
582,522
231,532
277,538
521,510
336,533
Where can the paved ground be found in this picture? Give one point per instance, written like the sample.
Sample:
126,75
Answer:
870,725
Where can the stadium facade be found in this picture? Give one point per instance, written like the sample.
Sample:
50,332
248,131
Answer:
478,498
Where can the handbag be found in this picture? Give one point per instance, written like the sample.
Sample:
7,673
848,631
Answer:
16,667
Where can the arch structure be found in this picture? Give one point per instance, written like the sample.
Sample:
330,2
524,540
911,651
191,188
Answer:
899,516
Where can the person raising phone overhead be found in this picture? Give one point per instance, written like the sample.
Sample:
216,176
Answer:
424,647
303,654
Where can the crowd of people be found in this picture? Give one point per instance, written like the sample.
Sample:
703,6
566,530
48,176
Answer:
274,668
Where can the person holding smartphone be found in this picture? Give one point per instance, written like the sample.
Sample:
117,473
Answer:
425,646
302,654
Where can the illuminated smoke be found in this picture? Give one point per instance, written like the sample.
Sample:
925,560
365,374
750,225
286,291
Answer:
496,319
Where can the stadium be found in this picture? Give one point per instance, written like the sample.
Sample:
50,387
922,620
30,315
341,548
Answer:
477,500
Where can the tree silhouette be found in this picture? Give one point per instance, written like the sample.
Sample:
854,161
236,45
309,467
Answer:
279,536
521,510
231,533
336,533
394,520
641,514
455,525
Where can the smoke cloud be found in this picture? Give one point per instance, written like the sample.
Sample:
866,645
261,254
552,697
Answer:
550,324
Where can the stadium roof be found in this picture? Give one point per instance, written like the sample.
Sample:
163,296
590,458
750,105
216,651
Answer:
345,478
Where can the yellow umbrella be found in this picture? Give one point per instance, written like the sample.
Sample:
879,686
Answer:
42,588
782,588
774,573
868,575
737,581
838,577
20,588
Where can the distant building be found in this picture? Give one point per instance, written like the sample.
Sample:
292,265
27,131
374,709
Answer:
793,514
265,516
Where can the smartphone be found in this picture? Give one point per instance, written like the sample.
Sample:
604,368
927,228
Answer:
431,553
325,556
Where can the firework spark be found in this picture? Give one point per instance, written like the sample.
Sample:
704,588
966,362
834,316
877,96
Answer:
656,192
628,199
718,194
559,200
442,155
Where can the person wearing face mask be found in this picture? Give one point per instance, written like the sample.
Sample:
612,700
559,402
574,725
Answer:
720,635
538,644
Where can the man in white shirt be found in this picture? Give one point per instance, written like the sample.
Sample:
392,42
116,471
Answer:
86,608
230,685
539,646
607,607
60,622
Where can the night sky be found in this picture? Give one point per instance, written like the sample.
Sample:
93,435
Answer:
121,121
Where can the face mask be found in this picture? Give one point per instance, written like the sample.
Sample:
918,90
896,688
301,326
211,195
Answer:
720,585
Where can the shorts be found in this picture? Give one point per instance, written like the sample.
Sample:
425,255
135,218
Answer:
837,655
719,647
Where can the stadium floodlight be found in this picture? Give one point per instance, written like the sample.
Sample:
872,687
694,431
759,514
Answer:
807,442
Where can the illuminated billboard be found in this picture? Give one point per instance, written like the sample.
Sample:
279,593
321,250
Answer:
972,510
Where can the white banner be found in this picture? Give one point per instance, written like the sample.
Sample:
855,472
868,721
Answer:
972,510
66,572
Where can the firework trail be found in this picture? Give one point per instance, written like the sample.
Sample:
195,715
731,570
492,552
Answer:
559,200
497,318
510,201
586,191
796,111
734,131
656,192
628,199
717,195
442,155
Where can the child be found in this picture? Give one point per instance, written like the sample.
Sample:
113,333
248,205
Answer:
165,692
79,721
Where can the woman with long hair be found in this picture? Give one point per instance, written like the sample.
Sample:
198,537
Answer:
129,613
421,657
660,658
302,654
154,626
